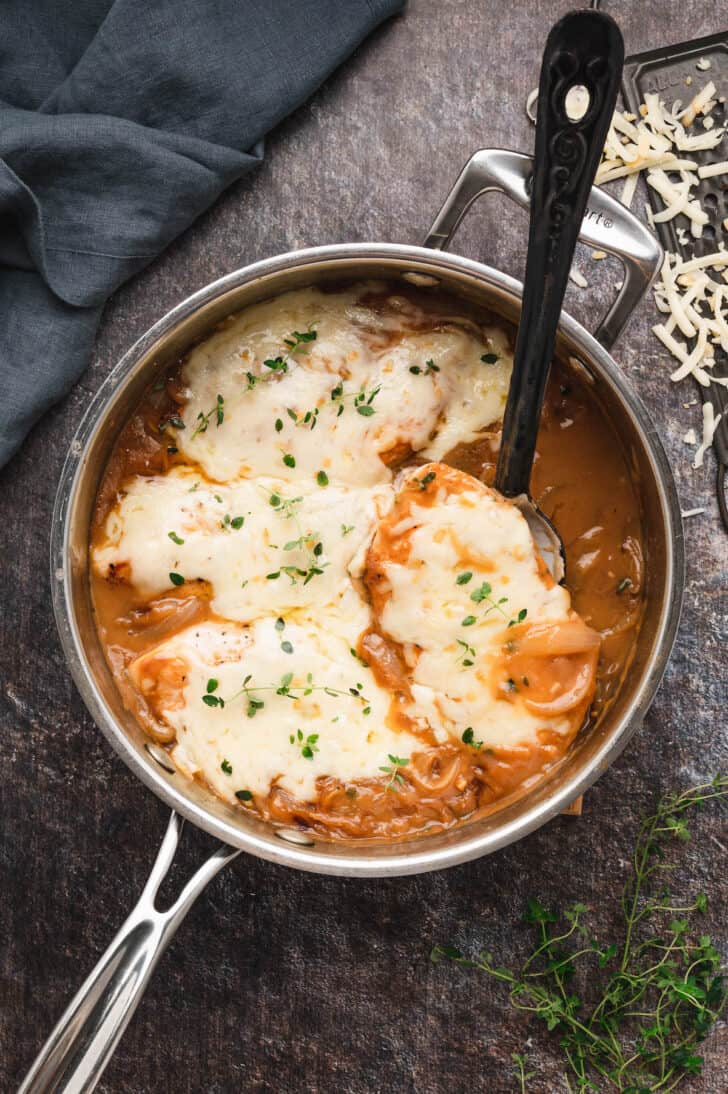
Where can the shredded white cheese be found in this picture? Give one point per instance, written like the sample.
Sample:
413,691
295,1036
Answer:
691,295
711,420
712,169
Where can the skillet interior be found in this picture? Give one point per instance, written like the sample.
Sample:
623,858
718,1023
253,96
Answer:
594,749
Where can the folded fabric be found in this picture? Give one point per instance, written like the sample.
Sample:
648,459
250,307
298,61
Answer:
121,122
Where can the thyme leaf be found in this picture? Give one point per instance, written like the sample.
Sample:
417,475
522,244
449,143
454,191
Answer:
203,420
393,770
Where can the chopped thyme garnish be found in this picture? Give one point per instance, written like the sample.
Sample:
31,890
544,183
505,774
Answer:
392,769
426,480
468,621
287,646
279,425
289,460
307,542
490,358
279,364
237,522
293,343
468,738
307,744
279,624
175,538
361,400
244,795
346,528
430,366
466,658
172,449
176,578
284,688
305,421
226,766
322,478
484,594
623,585
209,699
203,420
175,421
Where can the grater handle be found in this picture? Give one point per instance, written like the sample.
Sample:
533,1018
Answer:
607,225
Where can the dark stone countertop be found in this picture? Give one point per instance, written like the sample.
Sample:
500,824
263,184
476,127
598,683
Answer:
283,981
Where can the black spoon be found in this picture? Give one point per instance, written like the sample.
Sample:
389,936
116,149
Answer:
583,50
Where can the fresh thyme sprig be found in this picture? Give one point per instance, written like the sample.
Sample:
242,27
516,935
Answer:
519,1070
306,420
393,770
484,594
466,657
295,342
361,400
203,420
285,688
657,992
307,745
308,542
430,367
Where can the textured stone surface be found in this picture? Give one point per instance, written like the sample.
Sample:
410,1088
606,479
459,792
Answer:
283,981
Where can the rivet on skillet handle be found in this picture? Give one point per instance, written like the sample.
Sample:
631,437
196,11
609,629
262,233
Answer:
82,1043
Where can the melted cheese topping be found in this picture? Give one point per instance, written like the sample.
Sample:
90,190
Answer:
364,382
458,584
177,524
271,742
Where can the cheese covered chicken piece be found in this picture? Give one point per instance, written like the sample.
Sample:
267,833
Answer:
496,654
247,714
316,381
264,546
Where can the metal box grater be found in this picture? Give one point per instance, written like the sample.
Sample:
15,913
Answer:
665,72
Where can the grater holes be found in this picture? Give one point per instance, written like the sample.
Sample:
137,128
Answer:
711,200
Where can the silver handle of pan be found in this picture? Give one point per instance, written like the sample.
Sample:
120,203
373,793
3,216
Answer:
81,1045
607,226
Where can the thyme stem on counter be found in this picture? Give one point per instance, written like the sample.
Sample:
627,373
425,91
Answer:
653,995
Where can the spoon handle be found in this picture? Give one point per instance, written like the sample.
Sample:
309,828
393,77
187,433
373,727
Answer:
583,49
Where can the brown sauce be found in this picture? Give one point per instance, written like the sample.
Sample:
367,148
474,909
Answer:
581,480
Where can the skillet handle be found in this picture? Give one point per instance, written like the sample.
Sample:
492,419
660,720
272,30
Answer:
608,226
82,1043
